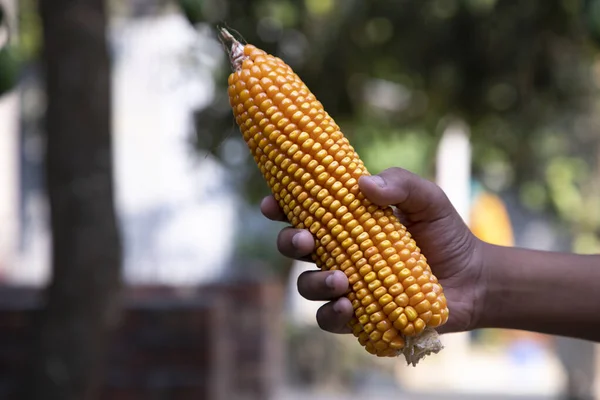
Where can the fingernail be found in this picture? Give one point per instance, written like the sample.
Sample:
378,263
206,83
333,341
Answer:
329,281
296,240
378,180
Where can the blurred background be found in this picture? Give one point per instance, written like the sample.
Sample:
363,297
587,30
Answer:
134,261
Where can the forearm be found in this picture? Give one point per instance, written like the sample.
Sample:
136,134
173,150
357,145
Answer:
546,292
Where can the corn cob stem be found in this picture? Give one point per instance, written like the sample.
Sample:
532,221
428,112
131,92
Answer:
313,173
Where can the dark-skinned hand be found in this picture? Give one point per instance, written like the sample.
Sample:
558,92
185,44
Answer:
452,251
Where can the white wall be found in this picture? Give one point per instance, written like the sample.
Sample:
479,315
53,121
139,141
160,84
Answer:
177,220
9,114
9,212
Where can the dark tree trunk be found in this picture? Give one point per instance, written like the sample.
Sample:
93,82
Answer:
82,298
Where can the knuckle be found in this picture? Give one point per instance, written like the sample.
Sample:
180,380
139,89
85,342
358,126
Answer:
301,283
283,238
280,243
321,320
309,285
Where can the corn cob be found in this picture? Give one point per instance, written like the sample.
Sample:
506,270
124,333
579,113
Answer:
313,173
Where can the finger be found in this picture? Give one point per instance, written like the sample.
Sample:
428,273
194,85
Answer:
335,316
416,197
322,285
271,210
295,243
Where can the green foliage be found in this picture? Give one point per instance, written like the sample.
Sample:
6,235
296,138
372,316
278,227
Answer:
14,54
10,66
192,9
30,35
523,74
591,17
382,147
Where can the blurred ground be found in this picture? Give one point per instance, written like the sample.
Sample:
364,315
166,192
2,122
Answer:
398,395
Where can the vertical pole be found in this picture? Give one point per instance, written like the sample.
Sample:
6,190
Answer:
453,175
9,171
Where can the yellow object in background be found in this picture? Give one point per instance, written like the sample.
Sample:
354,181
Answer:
490,221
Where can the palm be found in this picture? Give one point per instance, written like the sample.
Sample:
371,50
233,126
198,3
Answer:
451,251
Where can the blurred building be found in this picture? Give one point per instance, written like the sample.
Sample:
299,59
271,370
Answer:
176,216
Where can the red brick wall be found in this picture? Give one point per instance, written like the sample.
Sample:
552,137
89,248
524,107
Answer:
219,342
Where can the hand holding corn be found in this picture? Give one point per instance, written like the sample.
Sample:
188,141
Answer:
487,286
453,251
313,173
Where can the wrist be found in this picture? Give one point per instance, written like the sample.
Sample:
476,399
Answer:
489,287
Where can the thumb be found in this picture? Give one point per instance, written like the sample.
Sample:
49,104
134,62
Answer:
417,198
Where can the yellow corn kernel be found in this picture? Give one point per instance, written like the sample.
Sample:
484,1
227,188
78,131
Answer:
313,171
377,317
389,335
